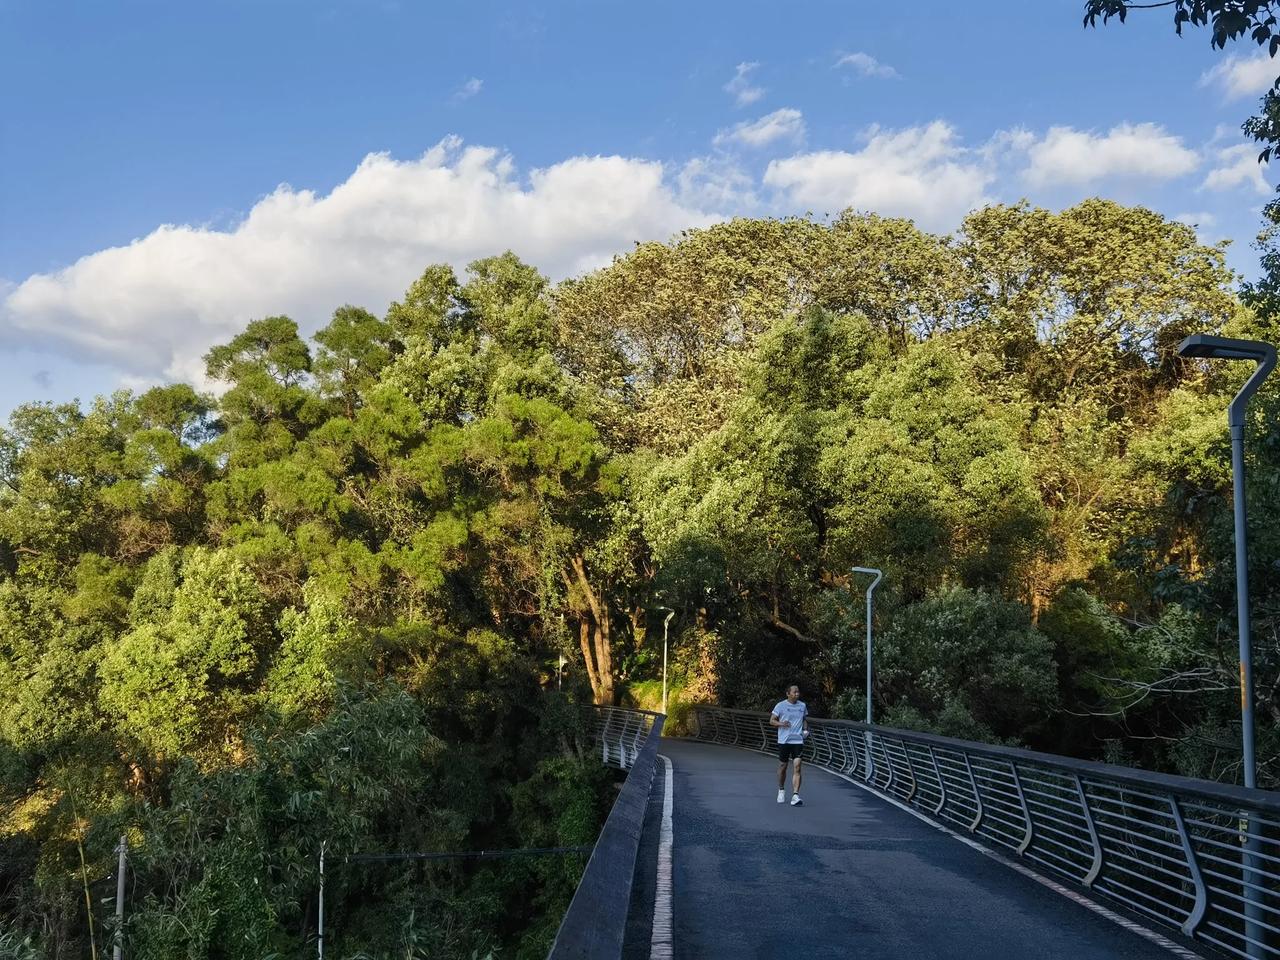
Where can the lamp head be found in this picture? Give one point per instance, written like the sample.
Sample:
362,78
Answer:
1222,348
1227,348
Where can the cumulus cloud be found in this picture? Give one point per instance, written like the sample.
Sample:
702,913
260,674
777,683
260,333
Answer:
469,89
1237,166
867,65
918,172
784,124
1065,156
716,183
740,85
155,306
1238,76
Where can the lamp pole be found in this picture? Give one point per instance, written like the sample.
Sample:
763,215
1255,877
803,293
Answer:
870,590
665,623
1264,355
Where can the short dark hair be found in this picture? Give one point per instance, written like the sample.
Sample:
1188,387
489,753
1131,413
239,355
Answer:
790,685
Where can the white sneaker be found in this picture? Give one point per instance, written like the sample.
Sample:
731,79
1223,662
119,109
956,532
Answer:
782,796
795,800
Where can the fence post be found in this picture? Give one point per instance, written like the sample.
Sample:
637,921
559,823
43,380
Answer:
1096,867
906,752
320,913
1030,835
942,784
1193,865
977,797
117,951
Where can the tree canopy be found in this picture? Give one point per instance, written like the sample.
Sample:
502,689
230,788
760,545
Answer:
331,602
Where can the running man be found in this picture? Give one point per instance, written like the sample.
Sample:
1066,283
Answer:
791,717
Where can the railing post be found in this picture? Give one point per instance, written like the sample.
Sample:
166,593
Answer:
604,736
1096,867
910,769
1030,834
977,797
942,784
629,749
1193,867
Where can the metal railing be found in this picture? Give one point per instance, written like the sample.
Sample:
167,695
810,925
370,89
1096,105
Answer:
620,734
595,924
1170,848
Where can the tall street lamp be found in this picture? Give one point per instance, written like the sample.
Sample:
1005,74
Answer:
870,590
665,623
1225,348
1264,355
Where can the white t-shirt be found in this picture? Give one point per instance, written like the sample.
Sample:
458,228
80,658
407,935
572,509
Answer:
795,712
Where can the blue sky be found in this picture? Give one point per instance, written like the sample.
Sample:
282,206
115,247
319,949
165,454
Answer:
170,171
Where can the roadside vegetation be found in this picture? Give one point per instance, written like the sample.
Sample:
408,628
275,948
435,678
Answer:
331,602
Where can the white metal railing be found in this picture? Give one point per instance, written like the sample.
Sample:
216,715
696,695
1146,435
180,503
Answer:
1171,848
620,734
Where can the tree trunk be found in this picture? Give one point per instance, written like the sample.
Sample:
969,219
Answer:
595,637
588,657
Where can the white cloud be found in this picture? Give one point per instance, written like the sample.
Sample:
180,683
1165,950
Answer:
867,65
919,172
714,183
155,306
784,124
1239,76
740,85
1066,156
1237,166
469,89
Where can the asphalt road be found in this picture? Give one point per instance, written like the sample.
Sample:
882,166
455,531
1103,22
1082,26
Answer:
849,875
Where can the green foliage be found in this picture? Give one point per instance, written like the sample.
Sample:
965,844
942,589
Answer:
1231,19
179,681
331,605
968,663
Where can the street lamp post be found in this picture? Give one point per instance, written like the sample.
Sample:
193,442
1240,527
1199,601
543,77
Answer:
1264,355
1224,348
665,623
870,590
866,736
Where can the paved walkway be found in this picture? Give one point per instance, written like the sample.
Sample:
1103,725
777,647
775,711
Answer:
849,875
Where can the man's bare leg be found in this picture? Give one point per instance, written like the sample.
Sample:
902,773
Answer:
795,779
782,775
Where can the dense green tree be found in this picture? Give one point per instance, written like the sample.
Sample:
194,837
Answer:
965,663
331,603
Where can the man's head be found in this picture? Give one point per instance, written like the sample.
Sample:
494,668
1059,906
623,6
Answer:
793,693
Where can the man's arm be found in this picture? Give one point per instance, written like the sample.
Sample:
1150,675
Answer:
774,721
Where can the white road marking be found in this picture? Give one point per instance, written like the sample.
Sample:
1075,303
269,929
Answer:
1162,941
662,940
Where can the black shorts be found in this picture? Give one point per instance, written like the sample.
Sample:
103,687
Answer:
790,751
